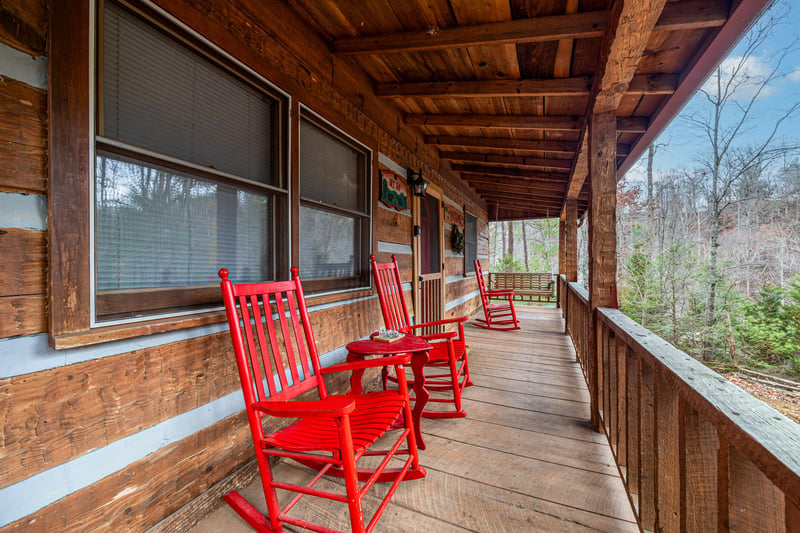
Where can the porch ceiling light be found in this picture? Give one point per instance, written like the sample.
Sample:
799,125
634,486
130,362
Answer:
416,182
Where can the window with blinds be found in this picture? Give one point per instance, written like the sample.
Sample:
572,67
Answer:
470,242
334,208
187,173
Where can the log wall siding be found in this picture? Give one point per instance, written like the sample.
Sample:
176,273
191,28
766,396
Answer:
696,453
54,417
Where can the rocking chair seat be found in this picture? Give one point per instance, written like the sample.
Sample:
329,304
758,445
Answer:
372,415
439,352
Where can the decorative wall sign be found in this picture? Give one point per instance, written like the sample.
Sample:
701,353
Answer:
394,192
453,215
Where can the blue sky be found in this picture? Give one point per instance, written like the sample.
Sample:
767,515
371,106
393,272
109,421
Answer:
681,143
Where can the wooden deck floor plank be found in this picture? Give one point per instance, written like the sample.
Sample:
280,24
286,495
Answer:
507,379
527,402
592,492
480,507
556,449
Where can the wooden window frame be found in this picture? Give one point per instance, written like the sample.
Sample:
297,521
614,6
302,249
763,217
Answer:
363,279
72,146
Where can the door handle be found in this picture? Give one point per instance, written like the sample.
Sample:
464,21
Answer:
420,279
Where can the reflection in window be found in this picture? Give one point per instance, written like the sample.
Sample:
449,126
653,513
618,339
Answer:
156,227
328,244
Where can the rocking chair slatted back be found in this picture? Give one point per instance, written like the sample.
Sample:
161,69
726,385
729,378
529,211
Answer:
481,283
275,340
391,296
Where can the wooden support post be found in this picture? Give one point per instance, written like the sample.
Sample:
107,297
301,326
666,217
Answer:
602,235
562,260
571,240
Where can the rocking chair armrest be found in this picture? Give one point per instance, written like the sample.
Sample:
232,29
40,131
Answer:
332,407
455,320
369,363
438,336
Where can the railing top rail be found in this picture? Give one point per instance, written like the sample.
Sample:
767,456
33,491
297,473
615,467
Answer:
580,290
768,438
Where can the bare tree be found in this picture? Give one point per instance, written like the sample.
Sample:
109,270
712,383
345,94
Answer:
730,108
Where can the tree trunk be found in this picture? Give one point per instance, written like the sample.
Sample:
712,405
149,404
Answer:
510,228
525,246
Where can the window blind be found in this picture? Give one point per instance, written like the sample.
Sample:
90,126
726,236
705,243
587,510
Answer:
160,95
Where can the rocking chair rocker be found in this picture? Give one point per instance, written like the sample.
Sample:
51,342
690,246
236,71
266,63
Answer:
277,359
448,355
499,316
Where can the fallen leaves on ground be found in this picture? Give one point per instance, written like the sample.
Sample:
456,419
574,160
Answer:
781,400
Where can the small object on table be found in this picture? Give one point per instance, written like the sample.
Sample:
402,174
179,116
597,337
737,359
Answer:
418,348
387,335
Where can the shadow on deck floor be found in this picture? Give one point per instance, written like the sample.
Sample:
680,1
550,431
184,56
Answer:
524,459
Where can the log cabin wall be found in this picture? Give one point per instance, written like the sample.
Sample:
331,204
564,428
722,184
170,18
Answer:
117,435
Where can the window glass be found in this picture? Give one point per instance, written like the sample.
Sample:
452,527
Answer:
329,244
162,228
470,242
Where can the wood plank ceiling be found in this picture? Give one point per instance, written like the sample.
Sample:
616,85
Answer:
503,87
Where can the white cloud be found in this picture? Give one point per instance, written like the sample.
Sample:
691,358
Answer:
795,75
747,76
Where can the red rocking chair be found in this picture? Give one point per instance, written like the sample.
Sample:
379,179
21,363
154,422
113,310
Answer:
448,355
499,316
277,358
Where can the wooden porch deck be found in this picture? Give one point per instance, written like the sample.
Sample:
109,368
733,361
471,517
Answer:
524,459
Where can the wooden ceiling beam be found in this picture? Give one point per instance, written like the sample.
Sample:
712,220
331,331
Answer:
526,122
576,86
579,86
522,201
557,165
564,147
516,184
509,172
520,122
677,16
692,15
539,29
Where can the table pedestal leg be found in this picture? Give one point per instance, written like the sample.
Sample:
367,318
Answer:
421,394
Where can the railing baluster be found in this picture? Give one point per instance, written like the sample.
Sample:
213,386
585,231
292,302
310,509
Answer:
647,463
753,497
622,406
700,471
634,429
667,457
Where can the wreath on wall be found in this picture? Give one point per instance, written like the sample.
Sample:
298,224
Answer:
457,240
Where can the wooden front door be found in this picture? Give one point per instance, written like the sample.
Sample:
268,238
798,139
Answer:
429,260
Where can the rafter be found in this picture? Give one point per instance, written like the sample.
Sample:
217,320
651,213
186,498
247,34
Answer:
557,165
527,122
515,184
520,122
508,172
577,26
503,144
692,15
514,199
685,15
580,86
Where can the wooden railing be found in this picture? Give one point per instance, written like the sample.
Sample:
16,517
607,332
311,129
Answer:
696,452
528,286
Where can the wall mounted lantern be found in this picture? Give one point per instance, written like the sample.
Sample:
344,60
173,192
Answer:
416,182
